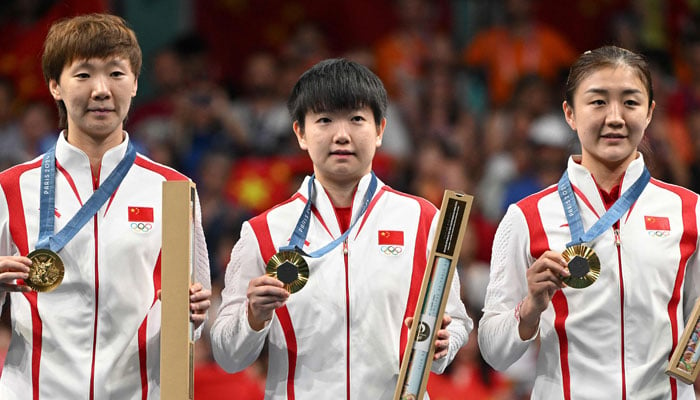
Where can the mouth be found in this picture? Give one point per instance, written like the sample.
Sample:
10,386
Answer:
613,136
341,153
100,110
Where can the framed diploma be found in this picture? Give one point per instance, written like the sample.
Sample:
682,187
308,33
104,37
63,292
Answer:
418,355
685,364
177,274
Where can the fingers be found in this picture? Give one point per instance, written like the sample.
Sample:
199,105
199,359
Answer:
446,320
547,271
13,268
442,343
200,301
265,295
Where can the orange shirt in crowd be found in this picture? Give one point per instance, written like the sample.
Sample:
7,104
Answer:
506,58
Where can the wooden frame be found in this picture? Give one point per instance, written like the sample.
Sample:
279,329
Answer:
418,355
685,361
177,275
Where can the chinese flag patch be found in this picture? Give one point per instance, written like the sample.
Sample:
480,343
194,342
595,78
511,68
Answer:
657,223
391,237
140,214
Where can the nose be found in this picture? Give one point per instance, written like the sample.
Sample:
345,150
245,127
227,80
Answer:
100,89
614,117
342,134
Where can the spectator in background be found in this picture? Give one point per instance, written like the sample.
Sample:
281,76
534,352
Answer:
506,141
260,110
402,53
151,121
549,145
38,128
11,147
504,53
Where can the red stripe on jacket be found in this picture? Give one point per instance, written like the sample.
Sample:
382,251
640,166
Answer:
9,181
687,248
267,250
538,245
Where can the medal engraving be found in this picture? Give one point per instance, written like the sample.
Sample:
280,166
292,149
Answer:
583,264
46,272
290,268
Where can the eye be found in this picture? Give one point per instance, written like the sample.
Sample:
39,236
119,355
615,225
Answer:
323,120
82,75
598,102
631,102
117,73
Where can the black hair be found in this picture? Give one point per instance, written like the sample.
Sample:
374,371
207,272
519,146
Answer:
337,84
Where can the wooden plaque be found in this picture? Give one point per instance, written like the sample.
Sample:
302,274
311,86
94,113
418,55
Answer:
685,361
427,319
177,275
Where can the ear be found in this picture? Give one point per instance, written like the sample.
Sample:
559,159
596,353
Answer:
569,115
300,135
380,132
55,90
650,113
136,86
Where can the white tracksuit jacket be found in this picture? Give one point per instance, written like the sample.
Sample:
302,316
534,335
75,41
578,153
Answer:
342,335
613,339
96,336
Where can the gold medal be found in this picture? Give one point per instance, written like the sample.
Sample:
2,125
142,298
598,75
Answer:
46,272
583,264
290,268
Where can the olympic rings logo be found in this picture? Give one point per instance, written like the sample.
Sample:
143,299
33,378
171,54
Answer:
659,233
391,250
141,226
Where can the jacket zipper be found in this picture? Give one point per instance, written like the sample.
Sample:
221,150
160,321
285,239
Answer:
347,318
618,242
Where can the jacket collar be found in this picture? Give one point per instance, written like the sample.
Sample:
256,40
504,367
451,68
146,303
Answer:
323,203
582,179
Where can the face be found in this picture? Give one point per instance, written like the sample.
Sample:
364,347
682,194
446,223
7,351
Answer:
97,94
341,144
609,114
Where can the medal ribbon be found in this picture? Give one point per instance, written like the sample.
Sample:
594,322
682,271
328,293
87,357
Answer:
573,217
55,242
296,243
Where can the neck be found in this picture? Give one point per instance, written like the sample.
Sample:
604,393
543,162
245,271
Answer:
607,177
341,194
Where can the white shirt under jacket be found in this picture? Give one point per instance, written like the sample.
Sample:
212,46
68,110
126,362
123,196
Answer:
342,335
97,334
613,339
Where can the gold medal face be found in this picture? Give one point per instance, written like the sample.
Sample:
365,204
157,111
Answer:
583,264
46,272
290,268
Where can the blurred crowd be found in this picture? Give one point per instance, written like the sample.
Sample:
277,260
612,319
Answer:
478,113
